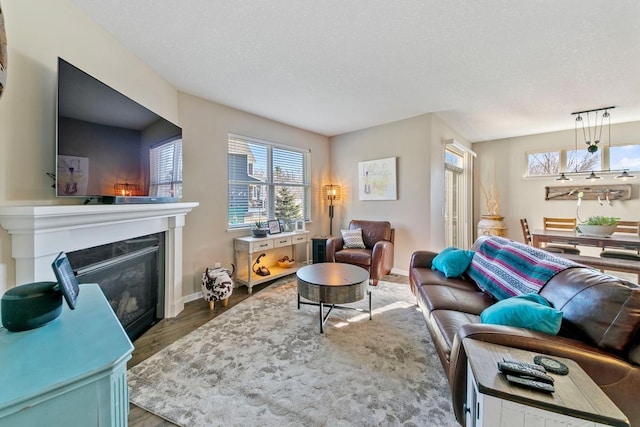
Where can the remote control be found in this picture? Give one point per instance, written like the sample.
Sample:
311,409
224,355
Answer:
524,372
536,385
528,365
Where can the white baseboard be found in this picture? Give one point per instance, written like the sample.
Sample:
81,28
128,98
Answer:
400,272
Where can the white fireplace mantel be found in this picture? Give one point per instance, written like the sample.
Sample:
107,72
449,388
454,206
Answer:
40,233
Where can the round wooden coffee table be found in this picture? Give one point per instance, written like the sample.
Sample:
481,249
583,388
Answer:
332,283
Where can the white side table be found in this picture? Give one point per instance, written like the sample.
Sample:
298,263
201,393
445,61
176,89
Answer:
494,402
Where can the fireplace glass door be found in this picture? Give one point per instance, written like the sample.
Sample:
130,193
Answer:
130,273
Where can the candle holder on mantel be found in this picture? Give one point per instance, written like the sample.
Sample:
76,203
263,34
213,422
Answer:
126,189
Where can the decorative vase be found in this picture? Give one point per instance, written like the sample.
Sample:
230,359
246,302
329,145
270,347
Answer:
492,225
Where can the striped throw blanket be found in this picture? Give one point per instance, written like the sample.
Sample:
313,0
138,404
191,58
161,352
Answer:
504,268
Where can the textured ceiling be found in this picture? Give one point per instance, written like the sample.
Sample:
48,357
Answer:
490,68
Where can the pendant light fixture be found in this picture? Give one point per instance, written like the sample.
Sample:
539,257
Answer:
563,178
591,123
624,175
593,177
592,137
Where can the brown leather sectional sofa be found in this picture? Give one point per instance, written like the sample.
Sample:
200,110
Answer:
600,327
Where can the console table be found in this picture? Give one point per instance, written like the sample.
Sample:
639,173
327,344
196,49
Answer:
273,246
70,372
492,401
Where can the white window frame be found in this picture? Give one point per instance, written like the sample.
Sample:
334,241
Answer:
604,166
165,167
466,197
269,181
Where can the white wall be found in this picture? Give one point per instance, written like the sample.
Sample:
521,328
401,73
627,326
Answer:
505,161
206,126
39,31
417,215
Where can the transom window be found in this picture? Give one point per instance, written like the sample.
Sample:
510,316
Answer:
615,158
266,181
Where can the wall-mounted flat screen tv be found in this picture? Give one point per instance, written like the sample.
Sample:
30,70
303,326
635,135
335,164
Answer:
110,147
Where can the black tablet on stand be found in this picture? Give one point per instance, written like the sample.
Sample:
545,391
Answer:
66,279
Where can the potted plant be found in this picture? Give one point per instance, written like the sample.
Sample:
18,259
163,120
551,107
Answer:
600,226
259,229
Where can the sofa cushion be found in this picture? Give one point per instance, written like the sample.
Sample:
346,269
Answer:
352,238
602,308
452,261
529,311
505,268
354,256
426,276
438,297
447,323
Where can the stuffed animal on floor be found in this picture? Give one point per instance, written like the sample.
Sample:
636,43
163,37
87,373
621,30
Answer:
217,285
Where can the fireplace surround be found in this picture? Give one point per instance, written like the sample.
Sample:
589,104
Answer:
131,276
39,233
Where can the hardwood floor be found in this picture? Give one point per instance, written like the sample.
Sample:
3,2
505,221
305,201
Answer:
165,332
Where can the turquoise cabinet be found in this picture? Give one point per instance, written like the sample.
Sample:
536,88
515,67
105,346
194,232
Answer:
70,372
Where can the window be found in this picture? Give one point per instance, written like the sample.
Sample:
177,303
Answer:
615,158
458,171
166,169
625,157
547,163
266,181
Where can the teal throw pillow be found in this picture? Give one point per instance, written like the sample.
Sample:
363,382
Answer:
529,311
452,261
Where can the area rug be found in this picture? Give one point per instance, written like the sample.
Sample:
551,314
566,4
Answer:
265,363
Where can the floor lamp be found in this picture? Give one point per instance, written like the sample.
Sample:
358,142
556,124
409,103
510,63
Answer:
332,192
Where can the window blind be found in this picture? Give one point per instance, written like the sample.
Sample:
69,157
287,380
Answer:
166,169
266,181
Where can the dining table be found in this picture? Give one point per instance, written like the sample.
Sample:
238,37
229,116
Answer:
568,237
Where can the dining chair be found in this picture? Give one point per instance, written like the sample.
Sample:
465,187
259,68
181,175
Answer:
526,233
562,224
631,227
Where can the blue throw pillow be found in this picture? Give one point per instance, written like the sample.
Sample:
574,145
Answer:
452,261
529,311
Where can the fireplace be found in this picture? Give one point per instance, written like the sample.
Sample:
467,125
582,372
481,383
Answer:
129,273
39,233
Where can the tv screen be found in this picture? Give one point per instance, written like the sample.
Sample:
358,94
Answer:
111,147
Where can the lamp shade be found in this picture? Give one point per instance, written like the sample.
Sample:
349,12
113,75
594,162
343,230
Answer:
593,177
332,192
625,176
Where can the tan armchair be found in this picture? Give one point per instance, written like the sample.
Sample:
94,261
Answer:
376,257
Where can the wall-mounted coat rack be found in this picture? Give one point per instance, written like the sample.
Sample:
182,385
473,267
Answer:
589,192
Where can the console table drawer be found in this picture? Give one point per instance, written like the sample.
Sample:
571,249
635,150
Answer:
279,242
300,238
254,245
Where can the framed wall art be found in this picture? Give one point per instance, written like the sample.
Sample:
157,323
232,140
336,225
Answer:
377,179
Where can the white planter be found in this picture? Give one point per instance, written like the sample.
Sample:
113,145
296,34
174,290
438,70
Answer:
597,230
